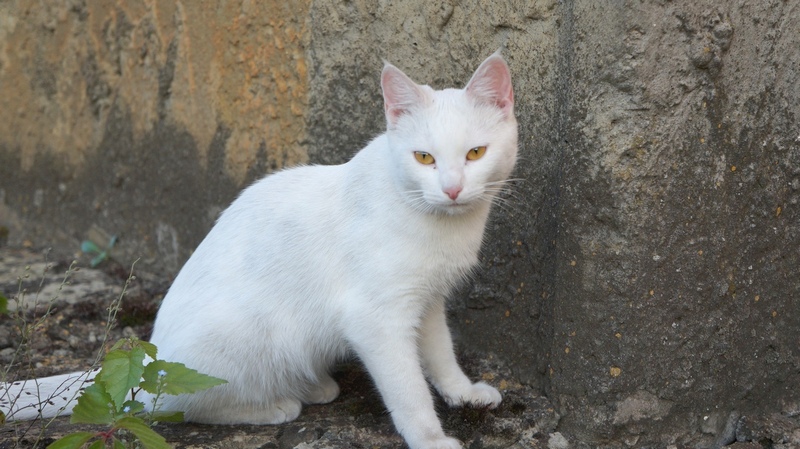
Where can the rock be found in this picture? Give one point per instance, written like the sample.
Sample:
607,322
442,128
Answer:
7,353
557,441
298,436
641,406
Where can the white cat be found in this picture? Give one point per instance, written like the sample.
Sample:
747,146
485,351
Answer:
312,263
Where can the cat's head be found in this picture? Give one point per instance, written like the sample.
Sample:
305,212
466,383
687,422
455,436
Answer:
451,149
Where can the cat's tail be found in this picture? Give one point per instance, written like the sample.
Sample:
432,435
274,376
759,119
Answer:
46,397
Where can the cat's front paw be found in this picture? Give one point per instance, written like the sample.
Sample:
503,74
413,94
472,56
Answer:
478,394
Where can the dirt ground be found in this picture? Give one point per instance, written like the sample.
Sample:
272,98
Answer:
72,336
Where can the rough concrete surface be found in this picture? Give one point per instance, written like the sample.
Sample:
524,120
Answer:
678,263
643,271
144,118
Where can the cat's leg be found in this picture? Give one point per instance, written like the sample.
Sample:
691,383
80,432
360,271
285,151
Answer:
323,392
438,357
388,349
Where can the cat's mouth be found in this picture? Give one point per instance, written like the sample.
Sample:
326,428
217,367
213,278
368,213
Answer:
456,207
447,206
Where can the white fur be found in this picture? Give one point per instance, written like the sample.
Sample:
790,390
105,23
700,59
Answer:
45,397
315,262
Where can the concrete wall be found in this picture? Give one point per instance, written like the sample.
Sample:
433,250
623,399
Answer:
678,279
144,118
645,272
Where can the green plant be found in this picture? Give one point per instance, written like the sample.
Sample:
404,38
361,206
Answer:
89,247
123,369
111,400
29,317
3,304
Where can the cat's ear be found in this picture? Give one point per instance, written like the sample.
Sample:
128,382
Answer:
400,93
491,84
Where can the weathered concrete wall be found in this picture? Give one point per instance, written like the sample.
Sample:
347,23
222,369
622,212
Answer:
144,117
644,271
678,279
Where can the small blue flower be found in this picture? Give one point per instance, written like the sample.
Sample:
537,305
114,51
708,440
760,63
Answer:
162,373
126,409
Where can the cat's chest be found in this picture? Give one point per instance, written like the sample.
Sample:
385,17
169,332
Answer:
434,253
449,248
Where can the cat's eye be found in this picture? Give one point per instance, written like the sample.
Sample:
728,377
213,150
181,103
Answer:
476,153
424,158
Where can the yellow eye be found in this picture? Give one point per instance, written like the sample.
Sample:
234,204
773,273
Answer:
424,158
476,153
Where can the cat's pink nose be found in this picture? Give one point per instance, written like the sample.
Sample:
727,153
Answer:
453,192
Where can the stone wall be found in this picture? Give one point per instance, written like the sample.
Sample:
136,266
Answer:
644,273
678,279
144,118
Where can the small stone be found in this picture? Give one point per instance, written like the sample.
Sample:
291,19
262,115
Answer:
557,441
5,337
295,435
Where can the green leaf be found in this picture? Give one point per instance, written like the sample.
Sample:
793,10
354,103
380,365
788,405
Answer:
72,441
3,305
133,342
132,406
176,378
147,436
97,260
99,444
89,247
122,370
119,344
118,444
149,348
94,406
167,416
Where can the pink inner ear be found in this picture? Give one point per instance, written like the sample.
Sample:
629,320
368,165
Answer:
491,83
400,93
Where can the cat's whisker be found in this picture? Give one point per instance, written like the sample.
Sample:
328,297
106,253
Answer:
511,183
506,197
501,189
499,194
508,180
500,203
416,200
